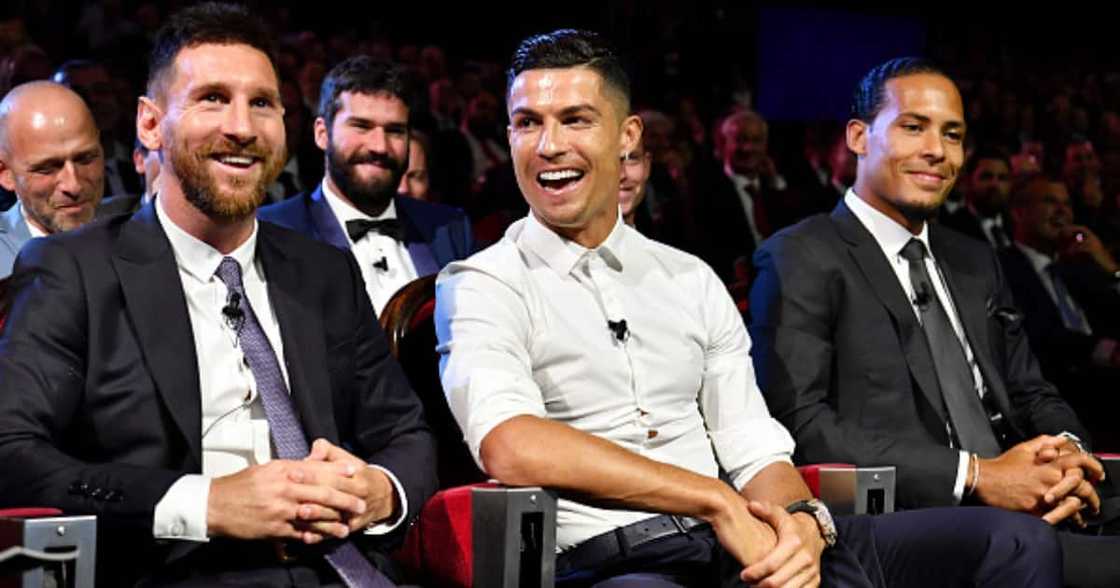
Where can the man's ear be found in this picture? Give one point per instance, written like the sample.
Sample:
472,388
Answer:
148,118
632,129
857,136
7,177
322,136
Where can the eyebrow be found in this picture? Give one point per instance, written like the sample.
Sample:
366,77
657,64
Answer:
960,124
567,111
263,91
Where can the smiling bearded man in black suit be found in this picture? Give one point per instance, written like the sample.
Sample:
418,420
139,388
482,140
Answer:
216,390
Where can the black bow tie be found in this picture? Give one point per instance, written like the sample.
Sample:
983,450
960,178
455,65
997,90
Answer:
389,227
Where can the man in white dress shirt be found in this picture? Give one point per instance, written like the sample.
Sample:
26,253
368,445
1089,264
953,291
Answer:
581,356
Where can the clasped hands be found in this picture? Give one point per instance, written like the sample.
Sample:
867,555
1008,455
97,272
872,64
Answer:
329,494
1047,476
775,547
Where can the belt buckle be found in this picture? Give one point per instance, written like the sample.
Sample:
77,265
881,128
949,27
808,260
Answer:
281,549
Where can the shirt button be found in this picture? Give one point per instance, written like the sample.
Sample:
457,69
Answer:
650,434
642,412
177,529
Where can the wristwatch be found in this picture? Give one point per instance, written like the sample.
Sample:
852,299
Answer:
820,513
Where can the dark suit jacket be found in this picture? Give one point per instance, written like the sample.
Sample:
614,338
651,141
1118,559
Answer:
1063,353
100,409
435,235
963,221
844,363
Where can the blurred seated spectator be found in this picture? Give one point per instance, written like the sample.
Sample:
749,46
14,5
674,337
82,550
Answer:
91,80
1068,287
304,166
415,182
146,163
51,159
986,183
484,134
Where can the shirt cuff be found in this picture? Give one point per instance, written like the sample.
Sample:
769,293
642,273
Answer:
962,477
384,528
181,513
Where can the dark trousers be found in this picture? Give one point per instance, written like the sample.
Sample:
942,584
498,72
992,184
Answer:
971,546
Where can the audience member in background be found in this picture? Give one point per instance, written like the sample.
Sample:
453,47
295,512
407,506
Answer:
91,80
1068,287
50,157
363,130
146,163
294,178
636,166
986,183
481,129
415,182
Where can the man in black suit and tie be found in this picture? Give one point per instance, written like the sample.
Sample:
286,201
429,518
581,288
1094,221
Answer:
214,388
883,339
363,128
1068,286
987,186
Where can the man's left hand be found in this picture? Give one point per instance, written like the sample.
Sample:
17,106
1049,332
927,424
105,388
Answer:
374,487
796,559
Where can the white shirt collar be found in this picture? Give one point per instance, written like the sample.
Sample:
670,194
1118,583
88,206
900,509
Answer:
890,235
199,259
345,211
1038,259
562,255
31,227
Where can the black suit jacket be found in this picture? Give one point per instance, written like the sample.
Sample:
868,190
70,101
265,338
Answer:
844,363
100,409
965,222
1064,354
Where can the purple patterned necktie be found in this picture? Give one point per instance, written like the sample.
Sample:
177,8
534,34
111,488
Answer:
287,433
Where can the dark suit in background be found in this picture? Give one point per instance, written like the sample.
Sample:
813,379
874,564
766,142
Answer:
434,234
100,408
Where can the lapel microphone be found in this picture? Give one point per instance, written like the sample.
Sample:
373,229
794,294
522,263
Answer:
232,313
382,264
621,332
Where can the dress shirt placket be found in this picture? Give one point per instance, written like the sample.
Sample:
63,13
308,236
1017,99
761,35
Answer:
602,286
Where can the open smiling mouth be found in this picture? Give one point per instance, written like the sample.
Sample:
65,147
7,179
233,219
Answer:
241,162
559,180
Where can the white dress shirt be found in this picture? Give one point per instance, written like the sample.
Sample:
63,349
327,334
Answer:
892,237
747,188
523,330
235,431
373,247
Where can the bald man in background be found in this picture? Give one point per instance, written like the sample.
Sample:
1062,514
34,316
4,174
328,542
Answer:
51,157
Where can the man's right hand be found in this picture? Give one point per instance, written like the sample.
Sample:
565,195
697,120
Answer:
745,537
305,501
1019,480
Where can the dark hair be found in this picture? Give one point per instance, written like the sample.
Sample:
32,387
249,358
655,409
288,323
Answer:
570,48
973,162
66,70
208,22
871,92
363,75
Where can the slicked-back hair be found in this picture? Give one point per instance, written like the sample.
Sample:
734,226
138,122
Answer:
363,75
871,92
209,22
566,48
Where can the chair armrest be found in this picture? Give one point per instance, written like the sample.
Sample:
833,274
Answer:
33,537
483,535
847,489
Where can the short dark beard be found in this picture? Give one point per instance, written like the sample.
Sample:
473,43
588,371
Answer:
369,197
201,190
918,214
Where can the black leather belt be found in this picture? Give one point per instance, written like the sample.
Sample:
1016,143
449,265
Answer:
602,548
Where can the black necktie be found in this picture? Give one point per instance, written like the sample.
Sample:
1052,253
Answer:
389,227
967,416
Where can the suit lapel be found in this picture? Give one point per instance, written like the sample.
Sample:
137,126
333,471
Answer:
419,247
324,221
972,306
884,283
157,308
301,331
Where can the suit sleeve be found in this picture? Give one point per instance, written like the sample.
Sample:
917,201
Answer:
43,352
794,305
388,425
1036,403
